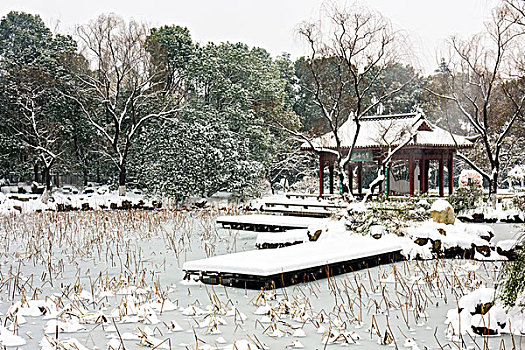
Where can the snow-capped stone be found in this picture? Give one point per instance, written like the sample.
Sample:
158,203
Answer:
377,231
442,212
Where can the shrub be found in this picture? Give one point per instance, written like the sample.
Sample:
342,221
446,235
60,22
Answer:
466,197
511,281
518,202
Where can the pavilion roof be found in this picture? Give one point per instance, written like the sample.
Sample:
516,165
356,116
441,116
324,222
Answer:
384,130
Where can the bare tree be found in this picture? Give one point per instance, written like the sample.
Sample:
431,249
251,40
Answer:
393,140
289,166
121,92
482,84
516,11
38,128
348,56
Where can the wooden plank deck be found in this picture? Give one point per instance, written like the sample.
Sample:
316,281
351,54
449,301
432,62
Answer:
312,207
314,212
311,195
260,222
306,204
275,268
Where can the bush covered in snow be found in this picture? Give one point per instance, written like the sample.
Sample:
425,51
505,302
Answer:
466,197
308,184
518,202
517,174
512,278
392,215
469,194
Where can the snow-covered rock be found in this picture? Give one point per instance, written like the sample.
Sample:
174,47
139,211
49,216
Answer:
478,312
442,212
377,231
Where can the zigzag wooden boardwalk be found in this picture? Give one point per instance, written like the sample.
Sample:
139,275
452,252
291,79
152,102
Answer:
274,268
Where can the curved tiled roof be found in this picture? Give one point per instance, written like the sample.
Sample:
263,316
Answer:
384,130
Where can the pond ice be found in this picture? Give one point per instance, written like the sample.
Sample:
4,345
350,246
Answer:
102,276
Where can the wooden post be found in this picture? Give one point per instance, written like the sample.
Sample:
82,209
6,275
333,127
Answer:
441,177
411,170
360,177
421,176
351,178
321,175
331,172
450,173
427,167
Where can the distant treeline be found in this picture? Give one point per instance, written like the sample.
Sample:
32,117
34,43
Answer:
121,103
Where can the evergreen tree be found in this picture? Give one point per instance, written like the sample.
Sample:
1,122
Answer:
34,63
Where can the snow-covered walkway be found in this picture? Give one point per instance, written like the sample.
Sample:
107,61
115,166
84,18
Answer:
272,222
273,263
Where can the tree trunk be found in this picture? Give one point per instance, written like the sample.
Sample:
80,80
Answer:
47,178
47,190
344,180
85,176
493,186
35,168
122,180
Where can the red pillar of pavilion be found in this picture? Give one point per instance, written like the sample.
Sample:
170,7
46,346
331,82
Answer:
450,173
421,176
427,168
331,171
411,170
321,175
441,177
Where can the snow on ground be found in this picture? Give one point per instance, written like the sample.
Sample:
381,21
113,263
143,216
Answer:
504,210
106,277
480,312
336,244
16,203
456,235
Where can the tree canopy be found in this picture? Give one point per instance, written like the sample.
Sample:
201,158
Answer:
123,103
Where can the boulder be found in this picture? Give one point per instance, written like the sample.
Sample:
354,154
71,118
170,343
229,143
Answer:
377,231
507,248
442,212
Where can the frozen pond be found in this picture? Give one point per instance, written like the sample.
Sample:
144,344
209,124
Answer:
505,231
111,277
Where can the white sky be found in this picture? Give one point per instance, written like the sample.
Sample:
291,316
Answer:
269,24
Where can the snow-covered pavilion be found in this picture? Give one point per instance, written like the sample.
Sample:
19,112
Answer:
421,142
